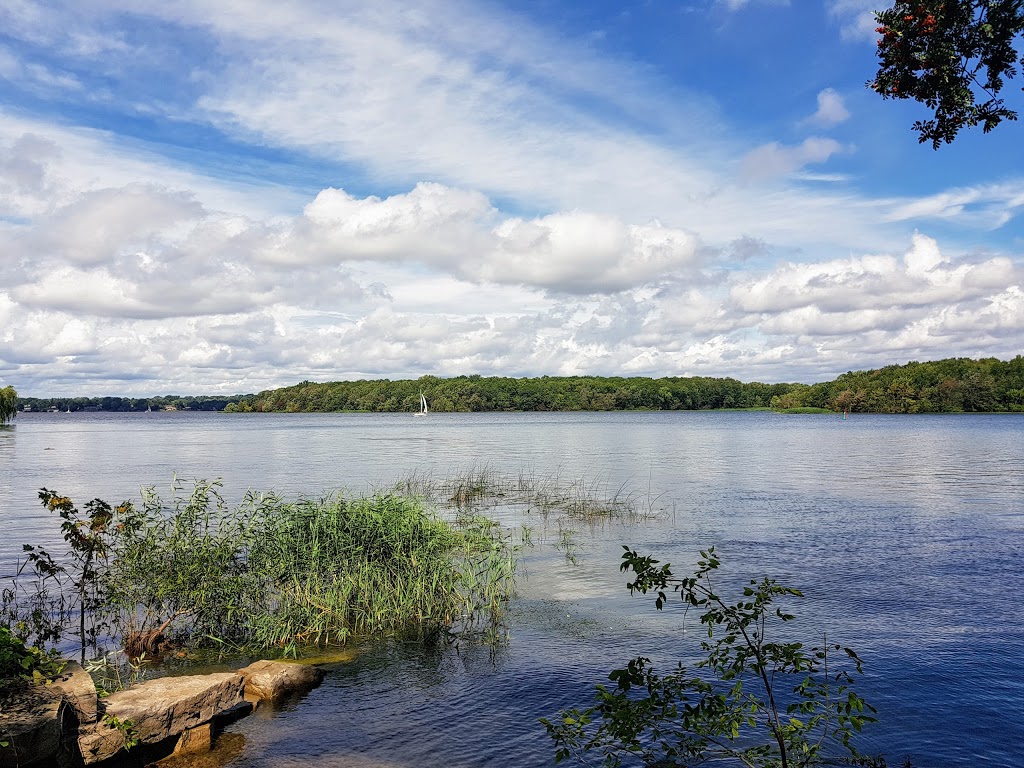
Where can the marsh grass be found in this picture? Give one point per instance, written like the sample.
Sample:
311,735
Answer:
192,572
382,564
481,488
420,561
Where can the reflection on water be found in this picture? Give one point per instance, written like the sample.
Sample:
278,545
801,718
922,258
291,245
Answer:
905,533
227,748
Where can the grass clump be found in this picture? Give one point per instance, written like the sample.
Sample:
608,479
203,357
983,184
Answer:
804,409
270,573
550,495
376,565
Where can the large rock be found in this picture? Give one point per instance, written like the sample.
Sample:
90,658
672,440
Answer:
32,722
159,709
275,680
76,687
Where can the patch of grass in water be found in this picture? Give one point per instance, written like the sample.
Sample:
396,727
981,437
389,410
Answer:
805,409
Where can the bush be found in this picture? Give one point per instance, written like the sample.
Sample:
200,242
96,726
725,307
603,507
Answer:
25,663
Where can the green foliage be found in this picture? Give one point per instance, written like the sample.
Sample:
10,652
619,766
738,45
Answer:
133,404
374,565
127,729
87,535
113,672
760,701
955,385
8,404
951,385
35,608
953,56
179,564
20,662
270,573
493,393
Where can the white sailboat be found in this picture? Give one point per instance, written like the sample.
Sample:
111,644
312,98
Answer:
423,406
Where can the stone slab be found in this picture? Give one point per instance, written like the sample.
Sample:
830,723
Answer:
159,709
276,680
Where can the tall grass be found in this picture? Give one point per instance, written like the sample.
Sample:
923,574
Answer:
373,565
418,560
270,573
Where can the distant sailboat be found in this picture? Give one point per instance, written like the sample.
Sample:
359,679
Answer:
423,406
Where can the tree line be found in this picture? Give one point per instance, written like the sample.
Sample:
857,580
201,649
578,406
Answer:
944,386
125,404
954,385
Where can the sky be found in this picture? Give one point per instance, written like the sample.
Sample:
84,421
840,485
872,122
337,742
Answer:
220,198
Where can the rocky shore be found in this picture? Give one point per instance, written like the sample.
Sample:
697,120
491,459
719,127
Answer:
65,724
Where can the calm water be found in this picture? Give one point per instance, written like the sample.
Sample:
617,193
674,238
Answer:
906,534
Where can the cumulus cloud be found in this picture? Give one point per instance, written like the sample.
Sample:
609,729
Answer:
922,277
831,109
132,287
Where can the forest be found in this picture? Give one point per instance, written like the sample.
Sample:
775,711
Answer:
955,385
945,386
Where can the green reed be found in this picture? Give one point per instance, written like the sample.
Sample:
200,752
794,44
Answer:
191,571
383,564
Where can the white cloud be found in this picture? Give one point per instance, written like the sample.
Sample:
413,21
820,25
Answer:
774,160
523,231
736,5
831,109
856,18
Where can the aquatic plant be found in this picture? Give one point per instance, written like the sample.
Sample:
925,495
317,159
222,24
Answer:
267,573
381,564
759,702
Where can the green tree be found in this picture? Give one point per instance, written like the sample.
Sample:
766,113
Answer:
761,702
954,57
8,404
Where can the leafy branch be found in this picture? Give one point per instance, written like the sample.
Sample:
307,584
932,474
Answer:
758,702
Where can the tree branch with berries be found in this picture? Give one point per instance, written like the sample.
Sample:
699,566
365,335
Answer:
953,56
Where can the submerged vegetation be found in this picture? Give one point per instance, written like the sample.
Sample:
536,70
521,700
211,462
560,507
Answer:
421,560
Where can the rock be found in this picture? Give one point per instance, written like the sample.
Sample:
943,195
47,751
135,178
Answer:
194,740
75,685
274,680
32,722
159,709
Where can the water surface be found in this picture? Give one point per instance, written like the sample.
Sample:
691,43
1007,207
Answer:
905,532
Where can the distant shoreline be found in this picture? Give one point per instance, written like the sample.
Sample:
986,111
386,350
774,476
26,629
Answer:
954,385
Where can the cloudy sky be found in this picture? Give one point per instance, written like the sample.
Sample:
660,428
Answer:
204,198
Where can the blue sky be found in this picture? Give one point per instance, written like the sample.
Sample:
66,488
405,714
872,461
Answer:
200,197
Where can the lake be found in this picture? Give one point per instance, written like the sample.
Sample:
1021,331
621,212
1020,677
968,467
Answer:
906,533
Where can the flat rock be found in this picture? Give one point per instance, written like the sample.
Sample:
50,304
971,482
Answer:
274,680
159,709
